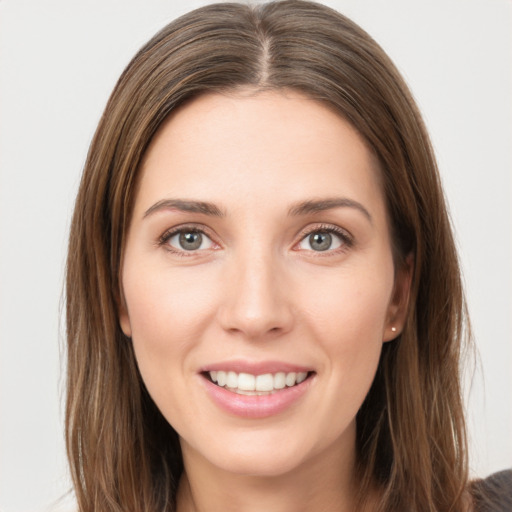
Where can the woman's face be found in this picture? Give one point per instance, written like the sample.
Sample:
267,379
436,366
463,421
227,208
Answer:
259,256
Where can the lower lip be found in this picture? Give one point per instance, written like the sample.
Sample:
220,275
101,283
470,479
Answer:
256,406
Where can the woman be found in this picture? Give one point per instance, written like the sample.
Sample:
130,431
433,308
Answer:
264,302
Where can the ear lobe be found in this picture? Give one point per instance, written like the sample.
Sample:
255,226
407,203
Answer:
399,304
124,319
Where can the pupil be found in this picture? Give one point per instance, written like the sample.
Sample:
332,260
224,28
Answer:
190,241
320,241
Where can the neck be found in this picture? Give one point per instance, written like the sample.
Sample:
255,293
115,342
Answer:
325,484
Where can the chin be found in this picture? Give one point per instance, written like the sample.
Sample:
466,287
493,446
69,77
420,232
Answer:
267,464
260,452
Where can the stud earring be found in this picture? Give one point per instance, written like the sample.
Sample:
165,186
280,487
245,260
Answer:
393,329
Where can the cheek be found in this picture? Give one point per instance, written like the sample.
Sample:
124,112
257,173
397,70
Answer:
167,318
351,304
167,314
348,319
164,304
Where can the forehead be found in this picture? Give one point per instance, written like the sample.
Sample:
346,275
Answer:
278,145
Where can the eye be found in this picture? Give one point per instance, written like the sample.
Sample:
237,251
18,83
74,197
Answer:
188,240
324,239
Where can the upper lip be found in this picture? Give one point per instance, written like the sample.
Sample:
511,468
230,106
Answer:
255,367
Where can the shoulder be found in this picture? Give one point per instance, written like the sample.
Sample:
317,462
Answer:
494,493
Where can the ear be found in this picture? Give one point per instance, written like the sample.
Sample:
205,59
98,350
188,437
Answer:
124,317
399,303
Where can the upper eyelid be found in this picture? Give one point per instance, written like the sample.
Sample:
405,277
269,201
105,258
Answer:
198,228
333,228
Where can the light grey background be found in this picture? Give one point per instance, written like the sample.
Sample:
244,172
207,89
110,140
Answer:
59,60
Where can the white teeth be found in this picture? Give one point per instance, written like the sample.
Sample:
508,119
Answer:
247,384
232,380
265,382
221,378
290,379
301,377
279,380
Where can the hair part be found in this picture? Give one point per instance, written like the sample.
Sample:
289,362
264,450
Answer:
410,430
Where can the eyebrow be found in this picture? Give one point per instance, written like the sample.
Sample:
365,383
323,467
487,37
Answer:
303,208
185,205
321,205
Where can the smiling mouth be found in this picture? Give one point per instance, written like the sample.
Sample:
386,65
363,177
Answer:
256,385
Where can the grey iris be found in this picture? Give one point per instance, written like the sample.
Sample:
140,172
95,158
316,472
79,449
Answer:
320,241
191,241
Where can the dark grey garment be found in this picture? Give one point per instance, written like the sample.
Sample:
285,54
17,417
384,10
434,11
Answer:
493,494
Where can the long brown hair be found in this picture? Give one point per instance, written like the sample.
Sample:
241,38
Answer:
410,430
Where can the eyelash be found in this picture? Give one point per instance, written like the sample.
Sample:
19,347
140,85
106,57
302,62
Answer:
346,238
188,228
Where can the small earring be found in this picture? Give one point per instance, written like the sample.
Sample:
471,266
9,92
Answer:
393,329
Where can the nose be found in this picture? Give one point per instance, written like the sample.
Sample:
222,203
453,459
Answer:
255,301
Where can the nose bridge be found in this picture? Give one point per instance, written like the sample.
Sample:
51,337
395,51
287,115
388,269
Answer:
257,303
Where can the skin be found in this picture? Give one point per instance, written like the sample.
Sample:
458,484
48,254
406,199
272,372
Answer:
257,290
